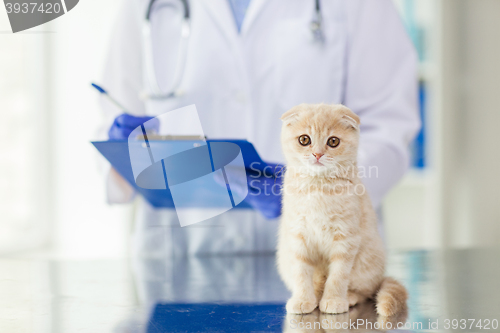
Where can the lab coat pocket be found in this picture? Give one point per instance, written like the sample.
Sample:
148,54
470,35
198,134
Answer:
308,71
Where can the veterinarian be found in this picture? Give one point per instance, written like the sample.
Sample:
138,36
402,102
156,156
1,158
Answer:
244,63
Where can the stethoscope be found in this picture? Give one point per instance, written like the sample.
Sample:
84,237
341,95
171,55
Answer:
155,92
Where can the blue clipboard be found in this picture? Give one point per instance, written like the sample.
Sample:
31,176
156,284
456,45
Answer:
117,153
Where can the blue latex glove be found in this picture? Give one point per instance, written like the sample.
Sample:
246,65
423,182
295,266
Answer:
265,189
125,123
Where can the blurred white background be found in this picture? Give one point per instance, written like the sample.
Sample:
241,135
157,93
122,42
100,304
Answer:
52,192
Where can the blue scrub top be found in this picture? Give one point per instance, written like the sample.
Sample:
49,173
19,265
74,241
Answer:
239,8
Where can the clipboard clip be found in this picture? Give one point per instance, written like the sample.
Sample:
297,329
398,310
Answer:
157,137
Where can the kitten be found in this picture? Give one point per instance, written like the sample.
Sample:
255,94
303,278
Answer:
329,251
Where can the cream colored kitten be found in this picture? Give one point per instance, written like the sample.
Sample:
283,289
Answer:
329,251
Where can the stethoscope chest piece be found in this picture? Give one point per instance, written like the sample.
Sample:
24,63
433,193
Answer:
316,25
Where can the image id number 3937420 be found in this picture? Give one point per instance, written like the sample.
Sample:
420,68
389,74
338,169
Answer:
469,324
32,7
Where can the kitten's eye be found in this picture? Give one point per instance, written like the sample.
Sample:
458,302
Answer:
333,142
304,140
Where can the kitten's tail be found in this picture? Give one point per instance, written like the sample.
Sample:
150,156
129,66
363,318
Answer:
391,297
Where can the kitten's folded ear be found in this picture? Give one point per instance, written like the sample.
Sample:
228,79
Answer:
351,120
290,116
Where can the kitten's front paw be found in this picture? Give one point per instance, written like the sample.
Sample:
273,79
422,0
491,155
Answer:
296,305
334,305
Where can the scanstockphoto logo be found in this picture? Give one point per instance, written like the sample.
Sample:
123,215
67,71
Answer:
26,14
198,174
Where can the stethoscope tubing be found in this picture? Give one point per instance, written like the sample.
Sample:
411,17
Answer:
151,78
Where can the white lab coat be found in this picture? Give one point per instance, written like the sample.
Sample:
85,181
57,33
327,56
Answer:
242,83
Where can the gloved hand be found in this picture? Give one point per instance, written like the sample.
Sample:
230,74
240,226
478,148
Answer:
265,190
262,189
125,123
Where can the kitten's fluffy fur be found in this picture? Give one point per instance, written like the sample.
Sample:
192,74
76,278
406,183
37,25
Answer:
329,251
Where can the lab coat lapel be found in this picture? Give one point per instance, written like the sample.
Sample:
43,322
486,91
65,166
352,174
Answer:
254,10
220,12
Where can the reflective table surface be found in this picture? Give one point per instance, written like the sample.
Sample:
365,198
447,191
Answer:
455,290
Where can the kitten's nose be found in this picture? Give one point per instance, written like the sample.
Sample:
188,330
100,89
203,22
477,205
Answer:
318,156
